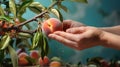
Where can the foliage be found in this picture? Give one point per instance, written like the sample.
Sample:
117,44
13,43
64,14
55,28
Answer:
12,22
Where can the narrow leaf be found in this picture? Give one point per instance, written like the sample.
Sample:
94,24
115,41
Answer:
26,35
12,7
23,7
35,40
13,56
57,13
5,41
36,7
1,11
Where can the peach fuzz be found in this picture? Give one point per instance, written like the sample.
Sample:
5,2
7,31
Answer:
51,25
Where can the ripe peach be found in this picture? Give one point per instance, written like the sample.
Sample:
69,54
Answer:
34,54
44,61
51,25
55,64
22,58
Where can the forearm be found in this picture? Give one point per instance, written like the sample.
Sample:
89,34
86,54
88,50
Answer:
110,40
114,29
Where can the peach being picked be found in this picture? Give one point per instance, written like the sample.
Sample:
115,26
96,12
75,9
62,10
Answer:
51,25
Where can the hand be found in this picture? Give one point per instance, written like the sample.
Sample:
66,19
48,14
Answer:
79,37
70,24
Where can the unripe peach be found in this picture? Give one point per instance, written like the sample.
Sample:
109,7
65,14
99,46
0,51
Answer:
51,25
34,54
55,64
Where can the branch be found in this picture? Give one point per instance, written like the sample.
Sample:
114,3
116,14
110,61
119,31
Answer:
34,18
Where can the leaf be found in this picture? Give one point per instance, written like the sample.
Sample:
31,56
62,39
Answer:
35,40
36,7
60,6
23,7
13,56
81,1
4,42
6,18
44,47
57,13
1,11
26,35
12,7
64,8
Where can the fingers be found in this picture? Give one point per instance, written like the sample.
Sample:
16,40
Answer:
63,40
76,30
65,35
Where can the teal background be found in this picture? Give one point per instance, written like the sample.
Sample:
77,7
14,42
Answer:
98,13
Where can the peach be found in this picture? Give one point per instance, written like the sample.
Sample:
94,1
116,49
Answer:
34,54
51,25
55,64
22,59
44,61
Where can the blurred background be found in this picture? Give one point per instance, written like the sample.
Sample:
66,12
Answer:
98,13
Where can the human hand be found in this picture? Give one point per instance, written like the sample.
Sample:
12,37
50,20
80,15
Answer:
78,37
70,24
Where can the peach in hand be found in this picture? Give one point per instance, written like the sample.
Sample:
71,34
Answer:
51,25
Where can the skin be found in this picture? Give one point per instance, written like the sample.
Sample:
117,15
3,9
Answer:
79,36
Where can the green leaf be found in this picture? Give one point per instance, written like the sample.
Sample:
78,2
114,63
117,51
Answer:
26,35
4,42
12,7
1,11
23,7
44,47
13,56
36,7
35,40
6,18
64,8
81,1
57,13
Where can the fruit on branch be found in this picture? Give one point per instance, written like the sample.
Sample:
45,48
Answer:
51,25
55,64
22,59
34,54
43,62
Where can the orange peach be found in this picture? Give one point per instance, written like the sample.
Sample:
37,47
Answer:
44,61
51,25
22,59
34,54
55,64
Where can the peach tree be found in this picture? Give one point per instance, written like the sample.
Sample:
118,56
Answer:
12,23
